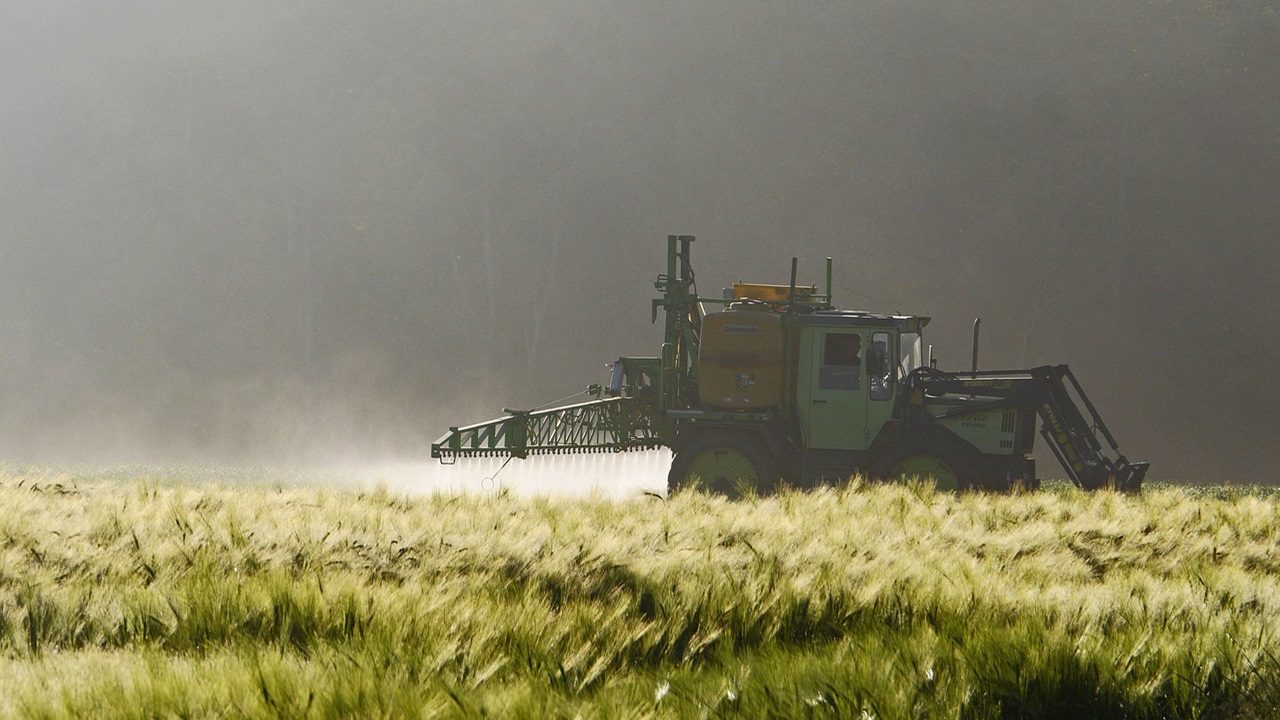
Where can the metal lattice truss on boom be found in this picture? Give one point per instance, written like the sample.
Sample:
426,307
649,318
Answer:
604,425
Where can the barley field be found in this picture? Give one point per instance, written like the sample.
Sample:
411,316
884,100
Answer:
169,594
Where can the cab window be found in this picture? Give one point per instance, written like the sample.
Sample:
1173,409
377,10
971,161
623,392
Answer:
841,367
879,369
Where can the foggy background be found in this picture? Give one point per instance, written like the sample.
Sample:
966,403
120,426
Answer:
238,232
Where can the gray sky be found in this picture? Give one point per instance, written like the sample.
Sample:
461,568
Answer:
237,232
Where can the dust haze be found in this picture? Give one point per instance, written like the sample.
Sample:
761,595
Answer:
299,232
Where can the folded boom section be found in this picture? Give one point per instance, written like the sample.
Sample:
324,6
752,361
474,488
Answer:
606,425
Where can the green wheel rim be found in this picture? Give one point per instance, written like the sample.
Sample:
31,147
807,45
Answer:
927,466
723,469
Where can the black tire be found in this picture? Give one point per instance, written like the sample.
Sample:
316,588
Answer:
952,456
724,449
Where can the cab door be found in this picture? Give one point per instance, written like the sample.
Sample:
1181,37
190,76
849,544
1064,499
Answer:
836,402
882,381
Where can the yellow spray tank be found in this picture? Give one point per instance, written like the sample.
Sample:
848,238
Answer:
740,364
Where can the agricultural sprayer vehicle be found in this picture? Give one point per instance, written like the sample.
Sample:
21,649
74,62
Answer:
772,383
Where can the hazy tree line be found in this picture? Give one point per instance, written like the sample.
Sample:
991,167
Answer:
237,233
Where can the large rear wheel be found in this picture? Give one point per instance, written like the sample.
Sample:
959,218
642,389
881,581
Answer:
724,463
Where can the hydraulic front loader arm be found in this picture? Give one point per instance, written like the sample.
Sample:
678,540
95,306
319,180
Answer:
1073,438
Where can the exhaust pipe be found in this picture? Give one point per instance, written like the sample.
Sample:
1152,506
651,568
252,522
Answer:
977,323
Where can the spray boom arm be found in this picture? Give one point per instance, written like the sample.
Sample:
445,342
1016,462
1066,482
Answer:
605,424
630,414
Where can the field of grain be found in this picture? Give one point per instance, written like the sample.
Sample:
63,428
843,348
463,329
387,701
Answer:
163,594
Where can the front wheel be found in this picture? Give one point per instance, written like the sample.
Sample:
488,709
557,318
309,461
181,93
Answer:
725,464
926,466
931,456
